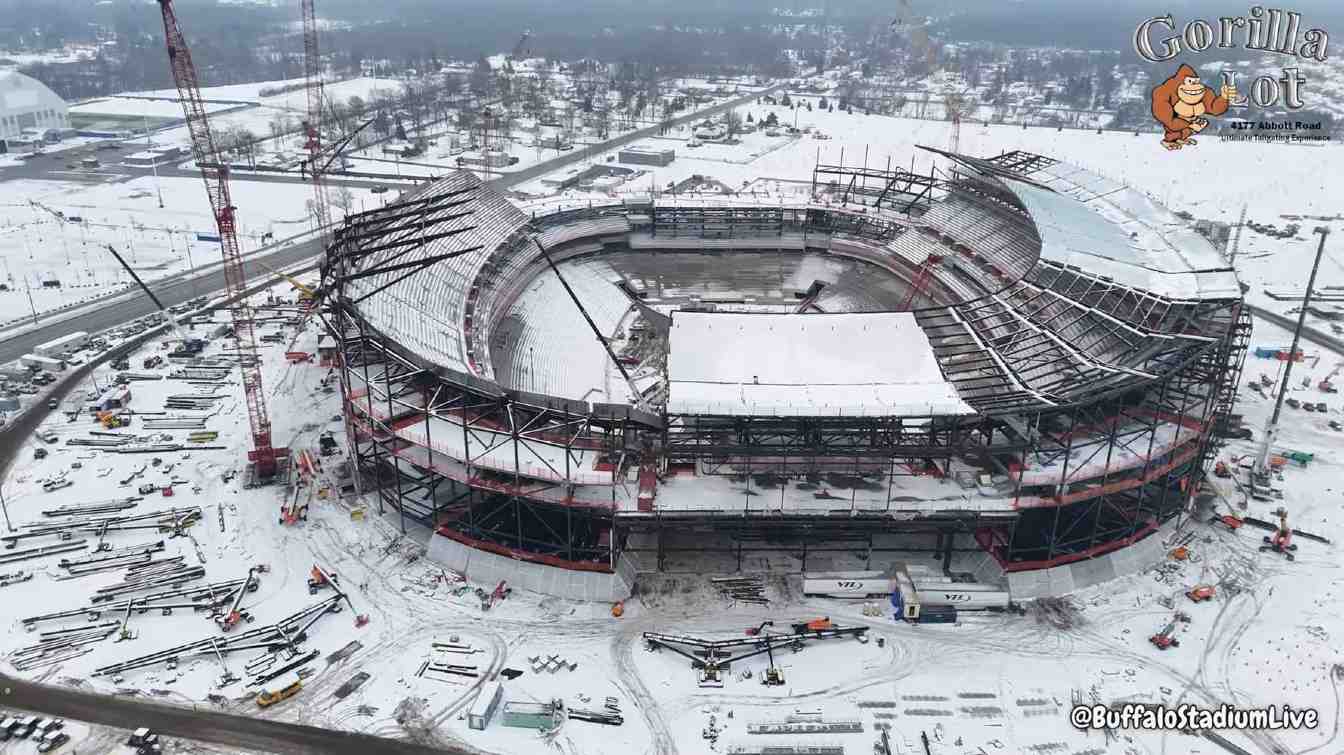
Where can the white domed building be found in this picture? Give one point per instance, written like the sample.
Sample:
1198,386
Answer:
28,108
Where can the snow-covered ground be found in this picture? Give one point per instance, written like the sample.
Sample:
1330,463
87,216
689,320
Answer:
991,683
36,246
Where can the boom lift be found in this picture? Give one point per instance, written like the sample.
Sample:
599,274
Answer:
1282,539
265,459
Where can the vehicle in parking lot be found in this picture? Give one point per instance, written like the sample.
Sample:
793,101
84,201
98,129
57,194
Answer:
52,740
24,728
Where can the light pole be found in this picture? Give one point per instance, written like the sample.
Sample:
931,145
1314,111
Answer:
153,161
5,507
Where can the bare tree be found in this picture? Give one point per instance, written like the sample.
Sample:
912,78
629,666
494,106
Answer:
732,120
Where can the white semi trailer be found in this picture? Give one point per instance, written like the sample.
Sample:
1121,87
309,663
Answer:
68,343
917,589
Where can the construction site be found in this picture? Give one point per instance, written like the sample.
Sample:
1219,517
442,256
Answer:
896,459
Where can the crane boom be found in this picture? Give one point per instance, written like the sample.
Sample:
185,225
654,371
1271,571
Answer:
216,176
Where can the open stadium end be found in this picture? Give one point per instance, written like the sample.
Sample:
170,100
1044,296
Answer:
1014,365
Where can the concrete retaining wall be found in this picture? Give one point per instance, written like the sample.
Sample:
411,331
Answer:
487,569
1065,579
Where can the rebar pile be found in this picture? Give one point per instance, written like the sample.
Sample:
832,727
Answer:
60,645
744,589
97,507
175,423
193,401
209,374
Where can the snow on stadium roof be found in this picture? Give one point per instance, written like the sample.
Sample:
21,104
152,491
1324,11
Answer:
869,364
454,224
1096,224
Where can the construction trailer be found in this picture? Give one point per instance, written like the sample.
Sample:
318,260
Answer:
67,343
478,716
641,156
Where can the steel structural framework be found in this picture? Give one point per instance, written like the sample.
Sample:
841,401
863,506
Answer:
1103,435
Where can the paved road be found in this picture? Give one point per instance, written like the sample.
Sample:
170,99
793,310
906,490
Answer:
201,724
111,312
176,289
1310,334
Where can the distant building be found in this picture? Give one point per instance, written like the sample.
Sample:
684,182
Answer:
26,104
639,156
488,159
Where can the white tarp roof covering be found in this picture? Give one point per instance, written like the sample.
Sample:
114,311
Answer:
872,364
1106,228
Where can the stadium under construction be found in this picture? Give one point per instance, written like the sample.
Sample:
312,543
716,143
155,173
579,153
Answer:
1010,364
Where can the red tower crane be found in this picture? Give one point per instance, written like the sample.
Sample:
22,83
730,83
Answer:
215,172
312,128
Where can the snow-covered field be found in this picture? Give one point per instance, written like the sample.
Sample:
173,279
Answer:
991,683
136,107
36,246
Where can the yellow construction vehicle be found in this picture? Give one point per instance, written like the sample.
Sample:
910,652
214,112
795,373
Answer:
288,686
112,420
306,293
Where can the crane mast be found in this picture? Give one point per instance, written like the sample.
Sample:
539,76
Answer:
312,128
216,176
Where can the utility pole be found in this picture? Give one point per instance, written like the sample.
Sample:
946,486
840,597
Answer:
153,161
5,507
1272,429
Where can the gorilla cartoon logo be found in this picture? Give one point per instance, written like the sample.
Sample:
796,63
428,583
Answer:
1181,102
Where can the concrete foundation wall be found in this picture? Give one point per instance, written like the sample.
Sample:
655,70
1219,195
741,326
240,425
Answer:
487,569
1065,579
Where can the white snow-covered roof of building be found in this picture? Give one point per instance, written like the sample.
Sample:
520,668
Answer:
870,364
